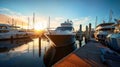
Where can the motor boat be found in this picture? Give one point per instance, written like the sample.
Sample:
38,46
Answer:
113,40
62,35
9,31
103,29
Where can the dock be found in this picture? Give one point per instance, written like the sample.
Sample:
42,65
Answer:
86,56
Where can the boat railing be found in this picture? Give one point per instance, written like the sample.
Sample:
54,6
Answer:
50,30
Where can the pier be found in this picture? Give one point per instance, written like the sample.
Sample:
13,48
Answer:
86,56
92,54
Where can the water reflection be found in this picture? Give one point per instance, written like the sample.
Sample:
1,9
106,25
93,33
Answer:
5,46
54,54
31,53
22,53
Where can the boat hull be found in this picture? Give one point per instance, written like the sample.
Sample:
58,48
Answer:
61,40
13,36
114,42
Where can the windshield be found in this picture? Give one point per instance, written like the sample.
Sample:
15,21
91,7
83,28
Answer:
3,27
65,28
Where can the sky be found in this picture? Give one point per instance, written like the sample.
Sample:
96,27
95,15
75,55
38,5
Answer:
79,11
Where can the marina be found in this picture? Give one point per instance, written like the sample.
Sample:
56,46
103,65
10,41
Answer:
57,33
61,47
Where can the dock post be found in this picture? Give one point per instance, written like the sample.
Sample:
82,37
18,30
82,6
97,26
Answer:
39,46
80,28
86,35
89,31
80,35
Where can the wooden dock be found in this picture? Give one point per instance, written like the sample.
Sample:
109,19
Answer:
86,56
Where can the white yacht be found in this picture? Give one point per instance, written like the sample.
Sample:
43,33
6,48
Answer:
63,35
9,31
103,29
113,40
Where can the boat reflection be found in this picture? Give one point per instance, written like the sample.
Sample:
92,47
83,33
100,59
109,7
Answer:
54,54
22,53
7,45
31,53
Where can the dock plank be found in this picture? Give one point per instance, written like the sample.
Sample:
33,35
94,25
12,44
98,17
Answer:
86,56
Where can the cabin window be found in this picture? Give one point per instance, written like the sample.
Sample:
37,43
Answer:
3,27
4,31
107,29
117,30
65,28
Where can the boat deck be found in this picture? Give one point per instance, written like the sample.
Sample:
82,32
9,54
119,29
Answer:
86,56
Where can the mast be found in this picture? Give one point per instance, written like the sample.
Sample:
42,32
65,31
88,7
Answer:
28,22
96,22
33,20
22,25
49,22
110,16
15,25
8,22
12,22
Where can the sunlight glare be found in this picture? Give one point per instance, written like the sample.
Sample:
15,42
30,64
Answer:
39,26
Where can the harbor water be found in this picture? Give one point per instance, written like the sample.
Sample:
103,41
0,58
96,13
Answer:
31,53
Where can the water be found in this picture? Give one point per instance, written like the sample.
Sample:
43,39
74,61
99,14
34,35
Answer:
30,53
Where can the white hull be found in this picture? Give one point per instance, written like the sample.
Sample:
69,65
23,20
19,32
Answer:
15,35
9,32
113,41
103,30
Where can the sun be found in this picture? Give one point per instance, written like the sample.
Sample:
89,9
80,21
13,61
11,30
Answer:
39,26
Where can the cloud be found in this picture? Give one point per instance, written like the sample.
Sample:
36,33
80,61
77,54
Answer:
7,15
54,21
59,18
83,21
9,12
12,14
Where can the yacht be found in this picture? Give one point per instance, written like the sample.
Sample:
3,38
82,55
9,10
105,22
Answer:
9,31
103,29
113,40
62,35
